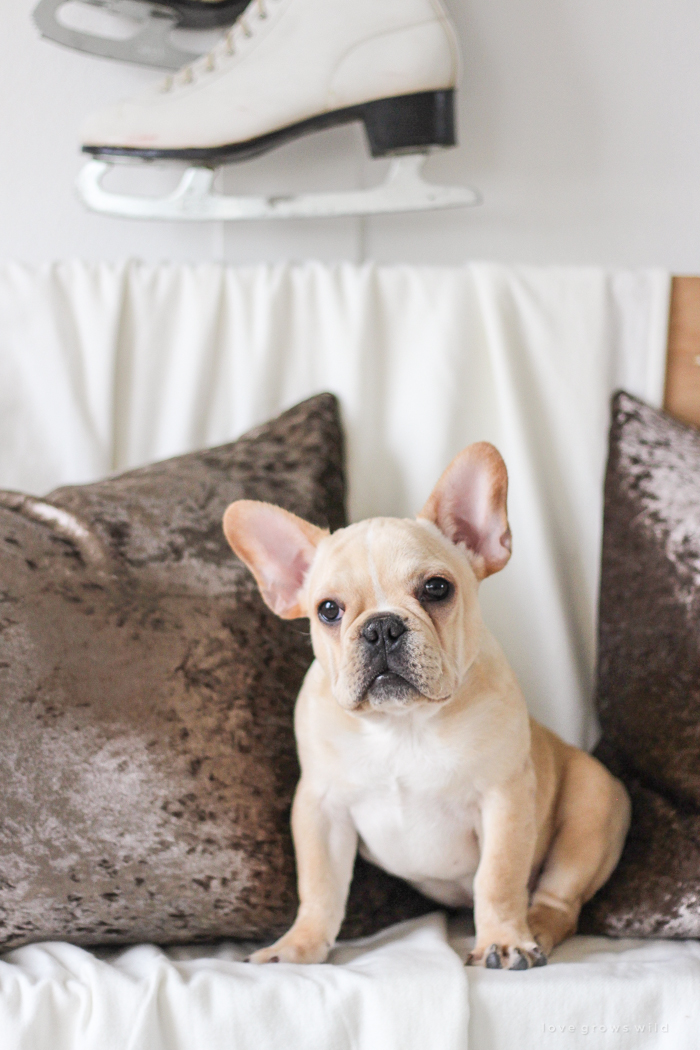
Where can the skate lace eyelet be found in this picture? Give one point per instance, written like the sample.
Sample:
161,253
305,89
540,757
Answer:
226,46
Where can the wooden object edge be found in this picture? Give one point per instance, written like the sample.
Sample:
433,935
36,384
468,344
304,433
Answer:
682,394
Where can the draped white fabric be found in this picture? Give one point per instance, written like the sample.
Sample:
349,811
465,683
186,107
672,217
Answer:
594,993
405,989
107,367
104,367
399,990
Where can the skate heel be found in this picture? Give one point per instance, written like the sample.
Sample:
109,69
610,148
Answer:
410,123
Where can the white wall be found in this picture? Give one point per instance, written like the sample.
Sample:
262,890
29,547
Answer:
579,122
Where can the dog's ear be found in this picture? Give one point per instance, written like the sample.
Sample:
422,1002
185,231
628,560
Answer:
278,548
468,505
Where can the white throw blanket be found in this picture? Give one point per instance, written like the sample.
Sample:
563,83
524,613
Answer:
105,367
404,989
593,993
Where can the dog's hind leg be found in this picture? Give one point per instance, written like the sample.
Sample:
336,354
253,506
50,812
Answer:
591,822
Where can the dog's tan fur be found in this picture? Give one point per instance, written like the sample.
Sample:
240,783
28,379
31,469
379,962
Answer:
443,780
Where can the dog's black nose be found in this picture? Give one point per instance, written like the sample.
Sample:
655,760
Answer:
383,631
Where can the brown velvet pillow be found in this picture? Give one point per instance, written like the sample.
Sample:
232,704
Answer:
649,672
147,756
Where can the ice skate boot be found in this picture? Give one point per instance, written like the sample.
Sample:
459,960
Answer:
285,69
149,44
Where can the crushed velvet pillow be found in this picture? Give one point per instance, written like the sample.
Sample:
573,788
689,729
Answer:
649,672
147,756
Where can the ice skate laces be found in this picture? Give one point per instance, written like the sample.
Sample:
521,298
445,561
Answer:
225,48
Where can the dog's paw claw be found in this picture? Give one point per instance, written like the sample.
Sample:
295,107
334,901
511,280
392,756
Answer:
508,957
292,950
518,960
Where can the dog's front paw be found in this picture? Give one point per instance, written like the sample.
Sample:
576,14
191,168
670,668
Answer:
508,956
292,950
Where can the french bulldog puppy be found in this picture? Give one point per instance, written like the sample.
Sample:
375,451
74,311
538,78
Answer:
414,740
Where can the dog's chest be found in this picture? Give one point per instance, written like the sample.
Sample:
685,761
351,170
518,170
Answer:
412,804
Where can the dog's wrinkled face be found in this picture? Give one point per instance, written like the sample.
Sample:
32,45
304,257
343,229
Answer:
394,614
392,602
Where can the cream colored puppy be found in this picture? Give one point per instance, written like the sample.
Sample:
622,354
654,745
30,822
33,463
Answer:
414,740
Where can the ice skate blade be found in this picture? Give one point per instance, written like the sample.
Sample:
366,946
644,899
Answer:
404,190
149,46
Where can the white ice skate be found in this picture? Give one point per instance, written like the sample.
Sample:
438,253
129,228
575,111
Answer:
285,69
149,44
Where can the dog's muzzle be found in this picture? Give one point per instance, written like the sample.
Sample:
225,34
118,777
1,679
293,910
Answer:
385,658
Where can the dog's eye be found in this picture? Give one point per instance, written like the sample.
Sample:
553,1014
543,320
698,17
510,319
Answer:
329,612
436,589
